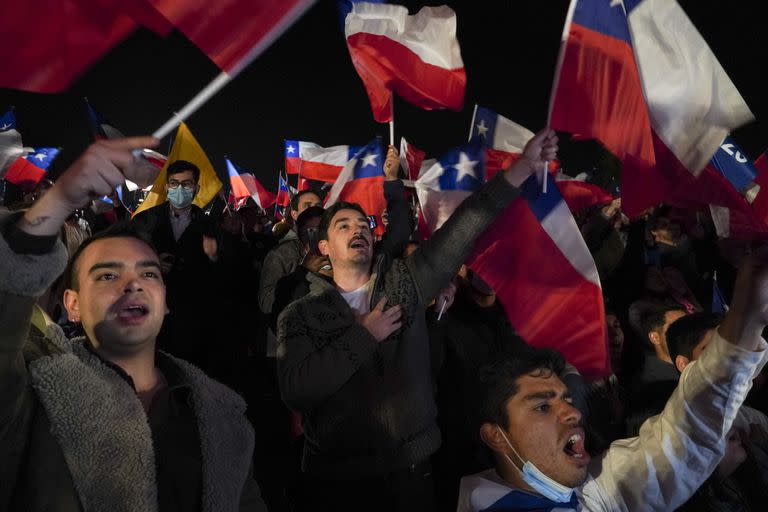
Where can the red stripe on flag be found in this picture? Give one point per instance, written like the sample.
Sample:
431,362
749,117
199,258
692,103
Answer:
319,171
385,65
25,174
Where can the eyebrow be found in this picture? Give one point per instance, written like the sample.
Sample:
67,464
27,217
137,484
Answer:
543,395
117,264
348,219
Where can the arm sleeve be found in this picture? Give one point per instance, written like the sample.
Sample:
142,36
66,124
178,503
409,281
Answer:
272,270
677,450
311,370
399,229
438,259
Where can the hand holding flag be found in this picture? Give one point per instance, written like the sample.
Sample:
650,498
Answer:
392,164
103,166
540,150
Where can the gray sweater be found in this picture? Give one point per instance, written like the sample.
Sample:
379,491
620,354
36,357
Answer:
368,407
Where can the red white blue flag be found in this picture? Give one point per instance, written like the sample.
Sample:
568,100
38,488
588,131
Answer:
244,184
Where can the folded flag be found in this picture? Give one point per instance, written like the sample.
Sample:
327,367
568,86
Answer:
185,147
27,171
621,83
10,141
244,184
417,56
362,182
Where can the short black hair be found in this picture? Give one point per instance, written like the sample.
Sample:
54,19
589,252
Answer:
332,211
310,213
123,229
179,166
297,197
653,320
497,381
686,332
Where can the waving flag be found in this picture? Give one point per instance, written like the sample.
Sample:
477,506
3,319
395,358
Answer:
245,184
100,126
283,193
449,181
231,35
185,147
315,162
10,141
534,258
621,82
362,182
418,56
28,170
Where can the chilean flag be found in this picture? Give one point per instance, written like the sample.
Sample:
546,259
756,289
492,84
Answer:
283,193
101,127
362,182
315,162
28,170
504,140
533,256
621,81
418,56
10,141
245,184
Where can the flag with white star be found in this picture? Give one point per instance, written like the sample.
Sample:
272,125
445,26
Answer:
361,181
450,180
27,171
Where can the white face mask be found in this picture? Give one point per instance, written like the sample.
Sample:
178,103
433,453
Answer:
538,481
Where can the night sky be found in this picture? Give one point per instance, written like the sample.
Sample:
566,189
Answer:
305,87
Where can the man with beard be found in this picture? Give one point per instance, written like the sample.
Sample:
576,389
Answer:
104,422
354,359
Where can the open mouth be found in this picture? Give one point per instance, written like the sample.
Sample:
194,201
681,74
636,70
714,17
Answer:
132,311
574,447
358,243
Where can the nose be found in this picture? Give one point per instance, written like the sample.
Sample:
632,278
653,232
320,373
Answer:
569,414
132,285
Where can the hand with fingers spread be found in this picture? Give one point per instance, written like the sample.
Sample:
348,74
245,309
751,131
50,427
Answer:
99,170
542,148
381,323
391,164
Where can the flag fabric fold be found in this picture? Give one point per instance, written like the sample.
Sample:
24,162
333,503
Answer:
621,82
411,159
416,56
314,162
28,170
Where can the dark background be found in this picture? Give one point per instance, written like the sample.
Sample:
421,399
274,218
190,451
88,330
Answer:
305,87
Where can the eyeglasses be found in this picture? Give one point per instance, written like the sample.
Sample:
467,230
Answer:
186,184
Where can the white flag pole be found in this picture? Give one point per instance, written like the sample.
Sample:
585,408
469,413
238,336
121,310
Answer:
556,81
472,123
392,122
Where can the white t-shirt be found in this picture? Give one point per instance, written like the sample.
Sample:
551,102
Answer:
360,299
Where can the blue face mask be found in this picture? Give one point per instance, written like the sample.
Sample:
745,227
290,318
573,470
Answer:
180,197
538,481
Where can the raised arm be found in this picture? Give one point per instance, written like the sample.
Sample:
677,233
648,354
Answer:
437,260
677,450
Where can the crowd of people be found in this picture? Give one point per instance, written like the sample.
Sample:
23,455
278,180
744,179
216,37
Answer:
219,360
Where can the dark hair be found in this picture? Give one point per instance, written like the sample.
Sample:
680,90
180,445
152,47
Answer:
180,166
310,213
686,332
296,198
497,382
123,229
654,320
332,211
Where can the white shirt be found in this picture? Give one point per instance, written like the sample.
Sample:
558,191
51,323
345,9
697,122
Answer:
360,299
180,220
676,450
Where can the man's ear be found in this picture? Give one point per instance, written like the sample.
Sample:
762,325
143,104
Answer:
681,362
491,436
322,246
72,305
654,338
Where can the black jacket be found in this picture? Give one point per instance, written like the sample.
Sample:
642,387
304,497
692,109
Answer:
368,407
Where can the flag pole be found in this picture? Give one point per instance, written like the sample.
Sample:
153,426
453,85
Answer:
472,123
392,123
556,80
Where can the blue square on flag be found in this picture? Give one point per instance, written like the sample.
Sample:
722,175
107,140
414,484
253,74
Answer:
463,167
292,149
370,161
485,125
42,157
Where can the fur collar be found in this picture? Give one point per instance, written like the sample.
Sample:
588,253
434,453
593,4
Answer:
104,433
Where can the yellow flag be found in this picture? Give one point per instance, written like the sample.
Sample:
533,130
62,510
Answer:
185,147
